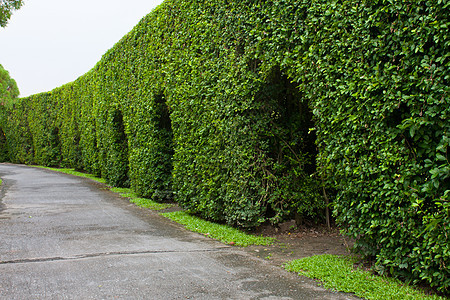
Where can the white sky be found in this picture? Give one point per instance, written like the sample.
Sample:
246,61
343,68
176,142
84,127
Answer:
48,43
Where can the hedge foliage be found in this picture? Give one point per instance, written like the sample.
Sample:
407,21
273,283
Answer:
8,93
247,111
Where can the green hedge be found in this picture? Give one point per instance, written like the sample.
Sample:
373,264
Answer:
8,93
247,111
378,75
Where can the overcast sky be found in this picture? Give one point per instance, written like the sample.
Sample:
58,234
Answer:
48,43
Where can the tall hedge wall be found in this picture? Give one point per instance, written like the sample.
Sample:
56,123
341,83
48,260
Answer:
248,111
8,93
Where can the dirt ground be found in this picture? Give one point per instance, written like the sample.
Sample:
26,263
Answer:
297,242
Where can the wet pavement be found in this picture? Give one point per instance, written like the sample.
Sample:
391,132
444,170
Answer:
65,237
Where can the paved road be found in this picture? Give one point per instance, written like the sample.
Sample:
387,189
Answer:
64,237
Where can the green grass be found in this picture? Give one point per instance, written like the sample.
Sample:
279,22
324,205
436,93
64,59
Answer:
223,233
338,273
75,173
142,202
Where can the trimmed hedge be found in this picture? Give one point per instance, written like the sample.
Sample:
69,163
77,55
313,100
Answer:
8,93
378,75
247,111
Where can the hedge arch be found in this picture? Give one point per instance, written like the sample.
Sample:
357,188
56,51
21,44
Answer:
152,152
114,148
291,139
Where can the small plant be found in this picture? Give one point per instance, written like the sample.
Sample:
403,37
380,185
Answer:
338,273
223,233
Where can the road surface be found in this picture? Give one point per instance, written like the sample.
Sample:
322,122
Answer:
65,237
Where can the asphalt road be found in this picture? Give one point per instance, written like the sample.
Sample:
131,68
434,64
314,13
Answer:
64,237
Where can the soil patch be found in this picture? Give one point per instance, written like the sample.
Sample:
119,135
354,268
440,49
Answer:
297,242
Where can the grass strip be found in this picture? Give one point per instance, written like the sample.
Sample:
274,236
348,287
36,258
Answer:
337,273
75,173
223,233
142,202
